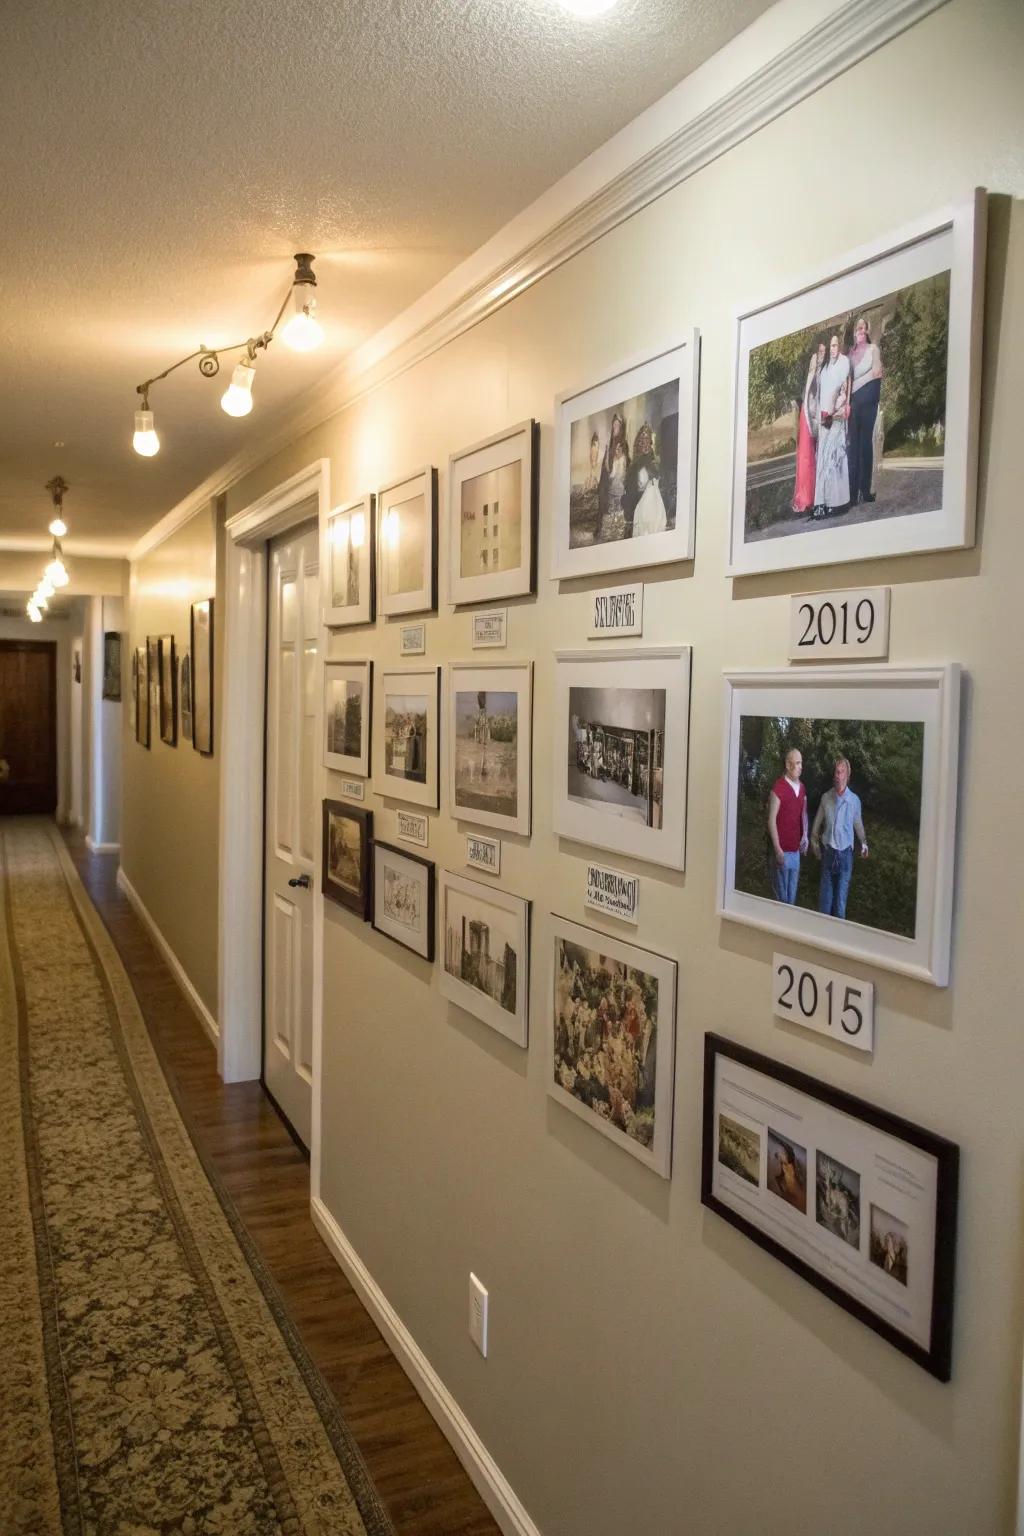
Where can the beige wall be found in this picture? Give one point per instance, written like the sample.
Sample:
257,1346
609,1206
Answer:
169,810
20,572
650,1369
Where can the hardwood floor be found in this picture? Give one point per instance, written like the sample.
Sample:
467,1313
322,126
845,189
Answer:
419,1479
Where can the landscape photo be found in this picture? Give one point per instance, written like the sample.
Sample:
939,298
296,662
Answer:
739,1149
480,947
606,1037
889,1244
491,533
623,469
616,741
405,535
786,1170
837,1199
344,715
344,853
846,418
405,736
486,751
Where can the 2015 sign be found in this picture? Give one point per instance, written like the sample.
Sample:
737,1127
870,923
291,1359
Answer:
839,625
826,1001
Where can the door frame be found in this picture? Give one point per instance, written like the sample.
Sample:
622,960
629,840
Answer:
242,769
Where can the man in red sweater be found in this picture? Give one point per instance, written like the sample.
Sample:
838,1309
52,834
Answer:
787,826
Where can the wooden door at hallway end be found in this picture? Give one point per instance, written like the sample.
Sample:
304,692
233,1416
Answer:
28,727
291,832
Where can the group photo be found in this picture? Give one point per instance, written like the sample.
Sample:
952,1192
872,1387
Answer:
828,816
623,469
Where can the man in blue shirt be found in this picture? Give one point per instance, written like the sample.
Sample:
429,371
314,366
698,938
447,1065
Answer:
838,822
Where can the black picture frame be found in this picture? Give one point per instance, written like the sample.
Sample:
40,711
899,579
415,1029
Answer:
168,707
202,672
112,665
937,1357
428,865
360,903
152,686
140,683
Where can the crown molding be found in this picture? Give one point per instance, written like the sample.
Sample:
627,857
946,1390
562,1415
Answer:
576,215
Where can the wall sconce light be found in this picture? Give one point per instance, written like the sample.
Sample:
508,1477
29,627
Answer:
302,332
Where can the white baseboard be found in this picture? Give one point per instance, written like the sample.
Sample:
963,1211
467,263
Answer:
495,1490
101,847
178,971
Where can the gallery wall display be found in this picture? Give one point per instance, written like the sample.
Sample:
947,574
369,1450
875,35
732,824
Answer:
168,691
76,665
407,734
857,1201
202,675
620,733
347,869
112,665
348,560
403,898
142,717
185,690
347,705
485,958
133,694
856,768
490,743
153,684
492,517
856,403
612,1039
407,545
626,465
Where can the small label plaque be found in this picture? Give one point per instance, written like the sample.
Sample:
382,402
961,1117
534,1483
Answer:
483,853
612,892
355,789
617,611
850,625
413,640
489,629
828,1002
413,828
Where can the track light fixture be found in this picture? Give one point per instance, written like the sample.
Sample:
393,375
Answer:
302,332
56,573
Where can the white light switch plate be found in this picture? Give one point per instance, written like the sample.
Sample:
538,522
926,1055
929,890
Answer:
478,1314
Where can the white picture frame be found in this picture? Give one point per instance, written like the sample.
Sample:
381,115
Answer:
346,683
348,563
414,712
461,901
489,777
581,413
568,940
923,703
407,544
950,240
492,488
644,741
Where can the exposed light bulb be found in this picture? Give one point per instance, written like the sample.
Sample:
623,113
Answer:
588,7
57,573
33,612
58,527
39,600
303,332
45,587
145,440
237,398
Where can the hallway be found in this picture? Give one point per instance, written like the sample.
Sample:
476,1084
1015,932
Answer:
144,1428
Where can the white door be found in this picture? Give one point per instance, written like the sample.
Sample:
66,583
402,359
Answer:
291,836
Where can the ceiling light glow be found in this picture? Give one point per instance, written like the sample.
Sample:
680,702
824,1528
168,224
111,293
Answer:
588,8
145,440
237,398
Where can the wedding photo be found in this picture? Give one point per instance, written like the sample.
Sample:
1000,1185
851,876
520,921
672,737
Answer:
615,751
486,745
623,469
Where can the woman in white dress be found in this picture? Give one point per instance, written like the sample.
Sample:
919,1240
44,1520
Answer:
832,475
649,515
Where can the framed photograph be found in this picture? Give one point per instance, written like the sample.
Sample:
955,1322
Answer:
133,700
348,560
153,684
407,734
485,934
620,730
347,874
202,675
185,691
856,403
407,545
112,665
626,465
490,712
347,696
168,691
492,517
612,1040
859,1202
76,665
403,898
839,810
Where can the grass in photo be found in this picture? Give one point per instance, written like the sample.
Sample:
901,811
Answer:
739,1149
486,748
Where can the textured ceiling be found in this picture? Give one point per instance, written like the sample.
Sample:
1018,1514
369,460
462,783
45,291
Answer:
161,163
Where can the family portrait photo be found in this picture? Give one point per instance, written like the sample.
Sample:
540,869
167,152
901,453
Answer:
615,748
623,469
486,746
828,816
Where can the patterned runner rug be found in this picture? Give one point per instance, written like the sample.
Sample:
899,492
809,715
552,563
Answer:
151,1383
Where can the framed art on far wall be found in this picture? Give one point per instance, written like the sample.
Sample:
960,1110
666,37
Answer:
492,517
858,1202
202,675
856,768
485,961
185,691
626,465
856,403
620,733
153,686
403,898
168,691
348,559
612,1039
407,545
490,743
347,870
407,733
140,672
347,696
112,665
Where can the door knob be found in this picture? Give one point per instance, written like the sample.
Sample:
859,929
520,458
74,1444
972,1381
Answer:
302,881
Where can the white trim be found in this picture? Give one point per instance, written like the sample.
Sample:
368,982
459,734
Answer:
178,971
799,47
485,1474
99,847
